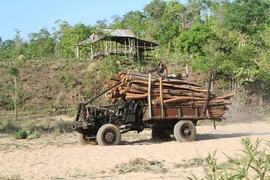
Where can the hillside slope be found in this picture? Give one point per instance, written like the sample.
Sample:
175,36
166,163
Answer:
49,85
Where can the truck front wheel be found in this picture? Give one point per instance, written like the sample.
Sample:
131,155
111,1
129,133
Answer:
108,135
83,140
184,131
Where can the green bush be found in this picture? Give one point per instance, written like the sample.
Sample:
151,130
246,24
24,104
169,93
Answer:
21,134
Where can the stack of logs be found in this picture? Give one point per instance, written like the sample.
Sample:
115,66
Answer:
175,92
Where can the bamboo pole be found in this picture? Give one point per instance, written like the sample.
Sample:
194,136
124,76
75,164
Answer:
149,96
161,96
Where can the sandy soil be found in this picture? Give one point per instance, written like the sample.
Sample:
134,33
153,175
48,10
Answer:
61,157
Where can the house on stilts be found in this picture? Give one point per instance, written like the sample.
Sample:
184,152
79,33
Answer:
117,42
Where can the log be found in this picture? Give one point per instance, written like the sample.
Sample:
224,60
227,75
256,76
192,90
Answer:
183,99
173,85
131,96
178,92
166,92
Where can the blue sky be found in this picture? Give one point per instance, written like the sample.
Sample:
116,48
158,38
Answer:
30,16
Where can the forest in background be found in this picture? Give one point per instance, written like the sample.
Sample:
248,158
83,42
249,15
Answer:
229,38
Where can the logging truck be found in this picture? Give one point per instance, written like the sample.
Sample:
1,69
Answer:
169,107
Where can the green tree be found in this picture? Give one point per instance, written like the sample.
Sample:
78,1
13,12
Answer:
194,43
247,18
117,22
170,24
135,21
68,36
7,49
14,88
155,9
102,23
18,42
153,13
41,45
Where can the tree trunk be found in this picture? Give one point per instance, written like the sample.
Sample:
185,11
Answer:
15,98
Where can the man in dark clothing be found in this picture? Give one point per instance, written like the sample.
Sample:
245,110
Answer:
161,70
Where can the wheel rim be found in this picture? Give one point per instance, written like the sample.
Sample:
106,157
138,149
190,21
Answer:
186,131
110,136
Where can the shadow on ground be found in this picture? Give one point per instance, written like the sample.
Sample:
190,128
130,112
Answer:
201,137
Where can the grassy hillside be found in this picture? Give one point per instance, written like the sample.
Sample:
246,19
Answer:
51,85
57,86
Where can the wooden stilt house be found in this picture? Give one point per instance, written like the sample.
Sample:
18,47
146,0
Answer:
117,42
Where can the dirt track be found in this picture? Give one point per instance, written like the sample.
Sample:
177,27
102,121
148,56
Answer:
61,157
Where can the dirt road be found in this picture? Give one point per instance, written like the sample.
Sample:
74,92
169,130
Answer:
61,157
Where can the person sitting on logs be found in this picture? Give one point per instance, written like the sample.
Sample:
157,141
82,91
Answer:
160,70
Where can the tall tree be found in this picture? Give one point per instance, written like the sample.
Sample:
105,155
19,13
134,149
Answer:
68,36
170,24
41,45
195,44
155,9
13,87
117,22
102,23
247,17
135,21
153,13
7,49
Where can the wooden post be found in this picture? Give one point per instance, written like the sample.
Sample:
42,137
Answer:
92,52
138,50
144,53
116,47
149,96
151,52
125,48
77,52
205,107
110,45
129,46
161,96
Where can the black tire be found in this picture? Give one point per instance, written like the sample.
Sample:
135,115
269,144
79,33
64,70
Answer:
85,141
160,136
184,131
108,135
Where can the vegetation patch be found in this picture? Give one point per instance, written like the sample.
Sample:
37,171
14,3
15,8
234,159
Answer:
252,164
141,165
21,134
195,162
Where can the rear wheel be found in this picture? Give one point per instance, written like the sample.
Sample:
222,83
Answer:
184,131
158,135
84,140
108,135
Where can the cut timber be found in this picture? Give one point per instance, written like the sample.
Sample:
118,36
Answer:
183,99
131,96
175,97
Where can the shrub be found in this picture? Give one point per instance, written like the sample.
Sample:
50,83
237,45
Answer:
21,134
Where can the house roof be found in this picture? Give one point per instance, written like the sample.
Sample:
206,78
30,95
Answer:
118,35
